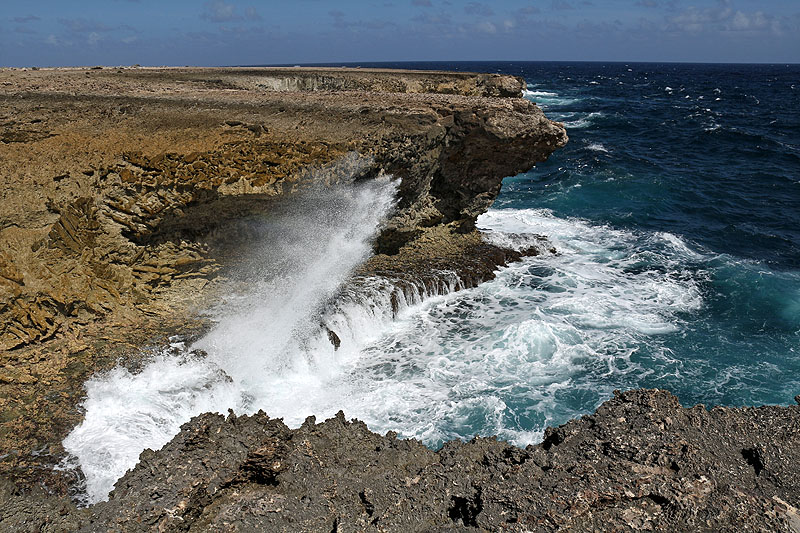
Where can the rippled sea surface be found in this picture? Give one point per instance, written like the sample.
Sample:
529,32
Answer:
676,206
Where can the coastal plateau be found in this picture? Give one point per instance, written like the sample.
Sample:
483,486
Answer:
118,182
121,192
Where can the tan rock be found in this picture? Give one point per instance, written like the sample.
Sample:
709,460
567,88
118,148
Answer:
109,198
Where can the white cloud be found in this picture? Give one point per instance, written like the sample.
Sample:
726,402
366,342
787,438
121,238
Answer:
476,8
753,21
695,20
252,14
82,25
26,19
56,41
724,17
219,11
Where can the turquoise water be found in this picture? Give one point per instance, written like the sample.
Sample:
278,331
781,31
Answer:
711,155
676,206
675,212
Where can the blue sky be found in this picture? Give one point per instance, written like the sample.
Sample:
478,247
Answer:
230,32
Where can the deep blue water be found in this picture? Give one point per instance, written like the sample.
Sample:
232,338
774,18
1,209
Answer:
709,154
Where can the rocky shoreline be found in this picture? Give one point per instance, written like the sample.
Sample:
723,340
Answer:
640,462
116,181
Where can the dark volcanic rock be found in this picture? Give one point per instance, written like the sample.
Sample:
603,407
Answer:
640,462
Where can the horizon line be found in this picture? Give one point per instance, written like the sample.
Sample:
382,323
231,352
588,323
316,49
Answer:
439,61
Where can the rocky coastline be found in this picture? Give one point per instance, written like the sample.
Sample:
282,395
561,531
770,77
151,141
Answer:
115,183
640,462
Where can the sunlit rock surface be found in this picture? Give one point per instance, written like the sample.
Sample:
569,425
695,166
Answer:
119,182
640,462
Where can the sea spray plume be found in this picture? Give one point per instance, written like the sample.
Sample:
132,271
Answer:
308,247
305,254
127,413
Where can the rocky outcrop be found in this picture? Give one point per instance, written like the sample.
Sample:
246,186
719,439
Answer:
640,462
346,79
114,181
112,189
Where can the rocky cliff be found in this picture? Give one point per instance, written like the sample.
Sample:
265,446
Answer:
114,181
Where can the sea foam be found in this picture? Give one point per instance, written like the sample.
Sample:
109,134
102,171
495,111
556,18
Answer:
257,353
495,359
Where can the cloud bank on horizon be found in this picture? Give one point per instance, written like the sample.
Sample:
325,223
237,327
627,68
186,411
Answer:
241,32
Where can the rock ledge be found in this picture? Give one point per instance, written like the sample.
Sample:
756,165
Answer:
640,462
115,181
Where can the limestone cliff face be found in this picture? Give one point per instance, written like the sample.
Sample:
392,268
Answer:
372,80
114,178
108,193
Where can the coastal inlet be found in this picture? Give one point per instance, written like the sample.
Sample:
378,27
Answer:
206,213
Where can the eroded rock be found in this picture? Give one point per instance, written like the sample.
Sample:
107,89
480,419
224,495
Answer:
114,180
640,462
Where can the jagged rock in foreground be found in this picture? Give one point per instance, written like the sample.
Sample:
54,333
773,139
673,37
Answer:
640,462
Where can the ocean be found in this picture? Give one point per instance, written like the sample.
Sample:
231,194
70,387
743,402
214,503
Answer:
675,211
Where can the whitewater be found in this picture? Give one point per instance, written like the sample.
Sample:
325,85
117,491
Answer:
675,267
489,360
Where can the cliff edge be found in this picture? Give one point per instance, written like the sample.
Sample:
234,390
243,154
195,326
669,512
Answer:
115,181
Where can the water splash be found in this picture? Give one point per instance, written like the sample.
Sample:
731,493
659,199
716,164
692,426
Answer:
534,346
428,363
260,344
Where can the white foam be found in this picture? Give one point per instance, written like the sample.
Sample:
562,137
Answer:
583,122
578,124
597,147
126,413
547,99
256,352
546,94
605,264
492,360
